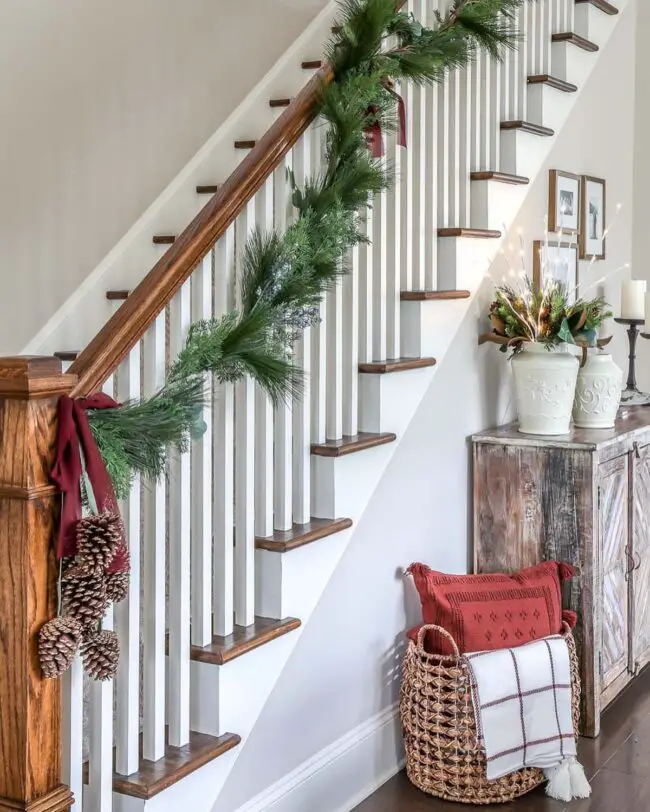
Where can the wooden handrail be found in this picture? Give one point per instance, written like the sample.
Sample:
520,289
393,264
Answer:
121,333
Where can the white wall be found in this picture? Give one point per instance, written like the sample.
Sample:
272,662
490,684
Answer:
344,668
101,105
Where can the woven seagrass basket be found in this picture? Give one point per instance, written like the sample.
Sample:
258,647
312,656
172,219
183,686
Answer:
439,728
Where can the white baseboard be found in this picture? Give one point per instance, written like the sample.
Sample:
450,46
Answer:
343,774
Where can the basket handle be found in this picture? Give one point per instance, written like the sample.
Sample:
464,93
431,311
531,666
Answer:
430,627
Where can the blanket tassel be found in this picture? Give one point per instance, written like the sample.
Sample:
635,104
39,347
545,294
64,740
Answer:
567,781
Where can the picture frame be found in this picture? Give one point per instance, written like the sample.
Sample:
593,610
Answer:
562,264
564,206
593,197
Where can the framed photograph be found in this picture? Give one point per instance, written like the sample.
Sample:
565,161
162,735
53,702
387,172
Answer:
557,262
593,204
564,202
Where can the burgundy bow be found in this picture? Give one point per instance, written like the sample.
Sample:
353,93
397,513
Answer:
373,132
74,433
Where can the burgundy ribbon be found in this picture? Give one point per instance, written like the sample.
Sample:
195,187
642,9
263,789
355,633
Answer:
373,133
74,434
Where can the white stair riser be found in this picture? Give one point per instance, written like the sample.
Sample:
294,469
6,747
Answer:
426,326
494,203
284,591
462,261
592,24
523,153
571,63
382,397
548,106
342,486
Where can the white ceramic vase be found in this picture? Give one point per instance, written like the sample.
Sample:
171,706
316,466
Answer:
545,385
598,392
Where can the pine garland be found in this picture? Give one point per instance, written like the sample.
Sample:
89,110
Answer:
284,276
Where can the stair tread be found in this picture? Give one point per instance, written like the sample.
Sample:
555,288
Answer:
552,81
312,64
396,365
244,144
244,639
433,295
602,5
67,355
577,40
475,233
279,102
527,127
117,295
207,189
164,239
283,541
500,177
178,762
350,445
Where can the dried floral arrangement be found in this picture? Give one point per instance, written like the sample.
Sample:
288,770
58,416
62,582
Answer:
524,312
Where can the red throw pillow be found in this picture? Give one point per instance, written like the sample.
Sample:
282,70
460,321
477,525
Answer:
492,610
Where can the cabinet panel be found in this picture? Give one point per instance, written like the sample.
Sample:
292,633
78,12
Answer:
641,555
614,537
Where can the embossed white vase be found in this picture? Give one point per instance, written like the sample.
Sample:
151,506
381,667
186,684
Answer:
598,392
545,385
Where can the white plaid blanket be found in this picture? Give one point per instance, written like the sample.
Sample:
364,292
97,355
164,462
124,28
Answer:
522,702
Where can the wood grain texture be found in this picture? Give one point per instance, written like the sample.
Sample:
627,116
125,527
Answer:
583,498
552,81
577,40
528,127
207,189
500,177
244,144
155,776
117,295
602,5
474,233
30,720
396,365
351,445
283,541
164,239
244,639
433,295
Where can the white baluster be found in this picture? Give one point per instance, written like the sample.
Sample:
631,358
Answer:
334,303
264,484
224,438
350,359
493,121
127,613
319,331
72,739
430,182
522,57
407,179
366,264
154,568
245,466
202,485
418,146
99,796
282,470
301,478
546,20
180,554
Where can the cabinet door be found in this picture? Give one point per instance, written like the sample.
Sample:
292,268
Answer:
614,538
641,554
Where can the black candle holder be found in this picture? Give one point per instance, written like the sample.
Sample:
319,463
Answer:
632,396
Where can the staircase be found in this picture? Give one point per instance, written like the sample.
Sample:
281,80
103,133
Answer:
209,624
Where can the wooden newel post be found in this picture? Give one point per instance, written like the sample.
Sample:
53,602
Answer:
30,707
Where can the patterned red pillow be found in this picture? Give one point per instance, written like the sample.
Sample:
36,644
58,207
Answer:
490,611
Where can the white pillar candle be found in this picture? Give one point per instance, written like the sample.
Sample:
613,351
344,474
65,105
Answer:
633,299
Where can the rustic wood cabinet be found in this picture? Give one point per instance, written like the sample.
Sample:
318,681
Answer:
582,498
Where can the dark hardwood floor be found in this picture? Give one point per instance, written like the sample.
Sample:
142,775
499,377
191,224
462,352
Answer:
617,764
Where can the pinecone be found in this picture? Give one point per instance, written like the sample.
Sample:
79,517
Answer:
117,586
84,595
101,654
58,642
98,538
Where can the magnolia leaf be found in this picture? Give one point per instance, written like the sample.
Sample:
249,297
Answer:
564,333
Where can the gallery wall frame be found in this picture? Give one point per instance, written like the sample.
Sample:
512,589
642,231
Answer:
564,205
593,205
